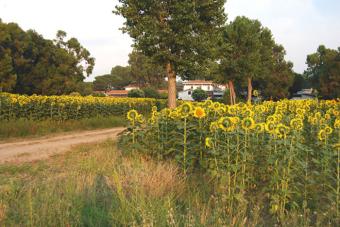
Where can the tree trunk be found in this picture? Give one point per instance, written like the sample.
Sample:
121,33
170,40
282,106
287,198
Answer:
171,86
231,92
250,90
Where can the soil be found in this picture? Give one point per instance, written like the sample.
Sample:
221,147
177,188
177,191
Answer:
37,149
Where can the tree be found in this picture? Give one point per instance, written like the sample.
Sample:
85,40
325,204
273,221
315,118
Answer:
31,64
300,82
249,54
144,71
176,34
324,71
118,78
199,95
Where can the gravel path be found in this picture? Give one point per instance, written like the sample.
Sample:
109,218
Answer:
42,148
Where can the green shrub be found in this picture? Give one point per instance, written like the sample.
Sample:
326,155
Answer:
136,93
199,95
151,93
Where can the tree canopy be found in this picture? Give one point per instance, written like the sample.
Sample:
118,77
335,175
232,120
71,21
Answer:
31,64
250,55
324,71
176,34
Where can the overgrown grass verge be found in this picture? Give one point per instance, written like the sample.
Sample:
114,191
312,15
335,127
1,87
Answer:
31,128
97,185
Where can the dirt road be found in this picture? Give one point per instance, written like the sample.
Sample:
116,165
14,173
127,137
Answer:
36,149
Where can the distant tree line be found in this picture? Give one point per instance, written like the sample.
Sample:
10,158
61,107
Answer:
31,64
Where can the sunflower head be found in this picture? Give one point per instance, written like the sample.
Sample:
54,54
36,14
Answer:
260,127
209,142
132,115
213,126
337,124
296,124
185,109
199,112
270,127
256,93
248,123
226,124
216,106
282,130
322,135
154,109
328,130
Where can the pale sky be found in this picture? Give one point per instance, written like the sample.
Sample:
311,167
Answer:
299,25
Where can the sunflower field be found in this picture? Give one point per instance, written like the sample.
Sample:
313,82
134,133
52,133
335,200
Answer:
62,108
278,159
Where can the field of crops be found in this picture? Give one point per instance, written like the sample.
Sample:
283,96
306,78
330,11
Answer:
276,160
69,107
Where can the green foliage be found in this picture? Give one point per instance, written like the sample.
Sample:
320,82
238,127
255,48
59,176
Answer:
300,82
276,159
249,51
31,64
324,70
176,34
199,95
136,93
62,108
150,92
145,72
118,78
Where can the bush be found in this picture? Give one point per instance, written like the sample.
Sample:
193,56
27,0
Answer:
136,93
199,95
163,95
151,93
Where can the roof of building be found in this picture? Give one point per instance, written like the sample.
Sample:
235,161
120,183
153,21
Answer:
193,82
117,92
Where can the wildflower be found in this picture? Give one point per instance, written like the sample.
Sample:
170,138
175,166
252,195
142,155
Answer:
259,128
282,130
132,115
213,126
248,123
296,124
208,142
185,109
226,124
270,127
199,112
322,135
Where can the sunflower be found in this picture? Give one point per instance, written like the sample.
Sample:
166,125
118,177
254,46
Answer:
154,109
213,126
232,110
260,127
328,130
248,123
209,142
270,127
322,135
199,112
185,109
216,106
140,118
337,124
256,93
282,130
296,124
226,124
132,115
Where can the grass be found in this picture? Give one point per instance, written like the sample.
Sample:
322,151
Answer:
98,185
30,128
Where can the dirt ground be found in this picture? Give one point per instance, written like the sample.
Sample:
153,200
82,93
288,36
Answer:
36,149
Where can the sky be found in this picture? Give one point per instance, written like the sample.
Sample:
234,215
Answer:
299,25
